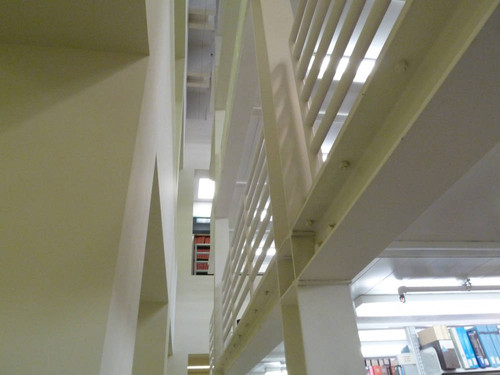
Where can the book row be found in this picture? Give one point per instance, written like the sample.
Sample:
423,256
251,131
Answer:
461,347
383,366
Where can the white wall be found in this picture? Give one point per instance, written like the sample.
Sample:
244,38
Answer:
194,293
149,355
68,122
154,142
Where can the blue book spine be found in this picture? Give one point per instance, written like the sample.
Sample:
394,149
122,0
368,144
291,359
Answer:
495,337
482,359
469,352
487,344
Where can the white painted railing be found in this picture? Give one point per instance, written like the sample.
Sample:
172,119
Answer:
251,247
334,46
211,343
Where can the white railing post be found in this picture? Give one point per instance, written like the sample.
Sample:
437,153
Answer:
289,162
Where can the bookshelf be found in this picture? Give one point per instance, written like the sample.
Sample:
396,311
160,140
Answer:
421,360
201,254
201,246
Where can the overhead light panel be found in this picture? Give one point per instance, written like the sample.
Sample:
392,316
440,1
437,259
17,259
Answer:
465,287
449,304
276,372
207,367
206,188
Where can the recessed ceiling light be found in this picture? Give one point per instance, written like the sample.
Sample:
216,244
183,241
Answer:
430,305
206,188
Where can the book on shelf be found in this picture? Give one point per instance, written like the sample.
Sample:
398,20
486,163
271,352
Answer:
486,339
495,336
463,345
446,354
438,338
380,366
482,359
462,356
399,370
457,347
467,346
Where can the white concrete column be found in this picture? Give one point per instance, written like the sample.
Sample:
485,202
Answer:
329,332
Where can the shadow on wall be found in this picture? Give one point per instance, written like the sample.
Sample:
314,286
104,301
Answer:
294,165
36,78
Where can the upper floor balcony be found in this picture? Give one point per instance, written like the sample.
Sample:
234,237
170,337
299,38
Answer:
344,132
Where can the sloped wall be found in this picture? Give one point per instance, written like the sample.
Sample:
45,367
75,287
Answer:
68,126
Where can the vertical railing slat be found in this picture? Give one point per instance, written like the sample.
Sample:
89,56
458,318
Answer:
298,20
304,28
371,26
249,232
312,39
338,51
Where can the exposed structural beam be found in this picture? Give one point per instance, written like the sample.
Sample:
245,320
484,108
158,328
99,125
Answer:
441,249
409,161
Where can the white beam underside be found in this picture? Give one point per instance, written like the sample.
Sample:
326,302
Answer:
441,139
441,249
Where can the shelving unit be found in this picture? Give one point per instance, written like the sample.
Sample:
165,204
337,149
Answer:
201,254
427,363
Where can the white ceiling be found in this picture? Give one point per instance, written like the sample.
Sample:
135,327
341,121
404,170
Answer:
469,211
199,83
457,237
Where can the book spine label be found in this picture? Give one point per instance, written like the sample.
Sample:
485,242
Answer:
469,352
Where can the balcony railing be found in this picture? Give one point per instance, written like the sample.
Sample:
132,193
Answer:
334,46
251,247
360,86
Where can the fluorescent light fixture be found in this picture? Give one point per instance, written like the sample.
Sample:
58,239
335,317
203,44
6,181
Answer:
203,220
277,372
207,367
465,287
206,188
482,281
431,305
381,349
382,335
273,364
364,69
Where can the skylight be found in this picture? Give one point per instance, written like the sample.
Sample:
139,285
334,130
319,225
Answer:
206,188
